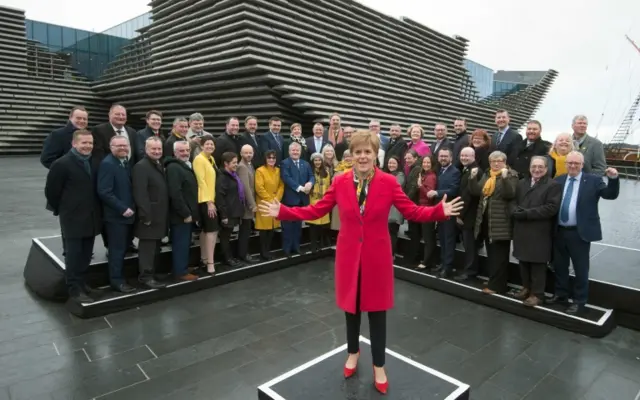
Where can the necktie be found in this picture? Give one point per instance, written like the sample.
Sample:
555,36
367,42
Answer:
500,135
298,164
119,132
564,209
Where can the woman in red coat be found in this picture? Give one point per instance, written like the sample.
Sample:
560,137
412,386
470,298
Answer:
364,263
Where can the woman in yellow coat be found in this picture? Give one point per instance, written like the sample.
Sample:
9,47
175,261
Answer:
205,170
318,228
269,186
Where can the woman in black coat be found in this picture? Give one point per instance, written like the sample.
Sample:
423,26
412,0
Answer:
230,199
537,204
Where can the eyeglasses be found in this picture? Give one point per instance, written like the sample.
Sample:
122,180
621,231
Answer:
497,161
573,163
271,158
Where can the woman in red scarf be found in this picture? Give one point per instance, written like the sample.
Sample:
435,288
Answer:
364,263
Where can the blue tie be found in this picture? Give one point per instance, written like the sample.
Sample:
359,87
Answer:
564,209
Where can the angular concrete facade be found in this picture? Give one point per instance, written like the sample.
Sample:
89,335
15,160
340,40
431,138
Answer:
37,89
301,60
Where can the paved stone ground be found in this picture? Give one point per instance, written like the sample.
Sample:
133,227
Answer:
224,342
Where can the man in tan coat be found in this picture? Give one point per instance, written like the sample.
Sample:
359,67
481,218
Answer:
247,175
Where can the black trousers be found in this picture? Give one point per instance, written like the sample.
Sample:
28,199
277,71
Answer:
318,235
266,238
498,257
414,232
471,246
394,228
430,257
377,331
225,242
148,250
77,260
243,237
534,277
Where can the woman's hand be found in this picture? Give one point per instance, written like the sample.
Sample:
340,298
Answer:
505,173
420,179
474,172
269,208
452,208
211,209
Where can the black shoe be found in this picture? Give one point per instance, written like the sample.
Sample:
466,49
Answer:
248,259
86,289
576,310
233,263
124,288
82,298
557,300
266,257
444,274
463,277
153,284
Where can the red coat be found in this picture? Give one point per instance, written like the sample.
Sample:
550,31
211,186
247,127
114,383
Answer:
363,241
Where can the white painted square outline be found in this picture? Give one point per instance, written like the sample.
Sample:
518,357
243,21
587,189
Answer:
266,387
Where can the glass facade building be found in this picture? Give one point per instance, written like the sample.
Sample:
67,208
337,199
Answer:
482,77
89,52
129,29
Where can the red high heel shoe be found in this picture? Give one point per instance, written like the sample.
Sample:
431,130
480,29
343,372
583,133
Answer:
380,387
349,372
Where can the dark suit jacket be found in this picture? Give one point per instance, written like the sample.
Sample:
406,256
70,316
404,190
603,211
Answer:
141,138
592,188
103,133
57,144
294,177
395,148
470,206
227,143
446,144
151,194
183,191
228,201
460,142
311,144
270,143
115,191
522,155
510,141
258,157
448,182
71,193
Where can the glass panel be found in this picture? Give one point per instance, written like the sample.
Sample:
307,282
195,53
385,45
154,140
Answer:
93,43
82,40
55,35
28,26
68,37
40,32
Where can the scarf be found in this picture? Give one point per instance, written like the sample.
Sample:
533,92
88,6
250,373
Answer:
335,136
84,159
362,189
240,186
490,185
561,163
343,166
301,141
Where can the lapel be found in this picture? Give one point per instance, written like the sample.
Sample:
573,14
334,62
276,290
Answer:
352,195
582,188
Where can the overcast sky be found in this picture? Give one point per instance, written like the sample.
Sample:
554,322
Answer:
599,71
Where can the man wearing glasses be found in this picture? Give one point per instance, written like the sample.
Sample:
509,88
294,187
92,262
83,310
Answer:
578,226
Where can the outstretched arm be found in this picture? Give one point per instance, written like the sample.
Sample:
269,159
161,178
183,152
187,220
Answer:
309,213
415,213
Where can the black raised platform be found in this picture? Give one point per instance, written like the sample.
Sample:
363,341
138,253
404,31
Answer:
322,378
617,264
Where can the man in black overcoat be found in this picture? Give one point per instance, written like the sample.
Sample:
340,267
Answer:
537,203
467,218
71,193
151,195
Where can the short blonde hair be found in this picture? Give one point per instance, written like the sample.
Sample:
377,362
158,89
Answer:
563,135
415,126
296,125
364,138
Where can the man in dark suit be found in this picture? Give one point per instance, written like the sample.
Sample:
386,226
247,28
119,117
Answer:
461,140
272,140
71,192
183,207
250,137
506,139
179,132
442,142
151,195
527,149
449,185
316,143
578,226
229,142
115,127
397,146
58,143
467,218
154,123
298,179
114,189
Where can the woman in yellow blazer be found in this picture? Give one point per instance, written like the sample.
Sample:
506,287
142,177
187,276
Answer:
269,186
205,170
318,228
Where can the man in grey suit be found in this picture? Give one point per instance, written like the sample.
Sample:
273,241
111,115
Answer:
247,175
590,147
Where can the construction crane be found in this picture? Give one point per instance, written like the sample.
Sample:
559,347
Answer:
615,148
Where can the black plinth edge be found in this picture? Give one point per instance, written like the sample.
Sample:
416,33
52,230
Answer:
115,302
456,390
598,322
44,273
